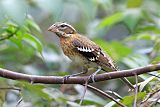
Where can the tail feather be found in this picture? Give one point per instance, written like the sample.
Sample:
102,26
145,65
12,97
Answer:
111,66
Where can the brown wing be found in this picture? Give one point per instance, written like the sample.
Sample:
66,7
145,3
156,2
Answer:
93,53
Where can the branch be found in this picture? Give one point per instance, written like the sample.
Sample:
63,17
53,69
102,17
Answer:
136,92
10,35
10,88
77,80
19,101
106,95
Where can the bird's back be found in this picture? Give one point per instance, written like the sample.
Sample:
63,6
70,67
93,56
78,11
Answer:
85,49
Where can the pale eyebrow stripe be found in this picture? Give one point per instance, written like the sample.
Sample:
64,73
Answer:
68,25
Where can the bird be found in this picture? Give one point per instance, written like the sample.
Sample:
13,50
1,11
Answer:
84,51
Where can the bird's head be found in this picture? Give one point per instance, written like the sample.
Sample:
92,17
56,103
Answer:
62,29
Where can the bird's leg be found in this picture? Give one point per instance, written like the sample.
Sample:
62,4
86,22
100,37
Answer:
84,71
92,76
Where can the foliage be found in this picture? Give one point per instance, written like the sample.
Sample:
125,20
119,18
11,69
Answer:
128,30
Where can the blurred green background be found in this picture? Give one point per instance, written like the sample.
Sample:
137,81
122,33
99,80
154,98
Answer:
128,30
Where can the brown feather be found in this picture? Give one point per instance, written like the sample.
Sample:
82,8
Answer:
101,58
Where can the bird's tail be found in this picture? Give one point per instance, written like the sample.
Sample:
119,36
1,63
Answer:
113,67
126,81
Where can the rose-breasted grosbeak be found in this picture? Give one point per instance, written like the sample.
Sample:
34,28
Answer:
82,50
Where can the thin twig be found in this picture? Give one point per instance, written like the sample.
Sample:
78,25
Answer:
150,95
114,93
136,91
84,92
106,95
156,102
10,35
153,75
19,101
10,88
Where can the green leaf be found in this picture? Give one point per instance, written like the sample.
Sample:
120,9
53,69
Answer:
33,41
129,100
16,40
110,20
136,60
156,60
131,18
157,45
32,24
11,27
17,37
149,28
8,32
143,36
35,90
134,3
144,83
10,23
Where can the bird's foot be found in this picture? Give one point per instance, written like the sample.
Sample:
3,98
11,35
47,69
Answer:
92,77
65,78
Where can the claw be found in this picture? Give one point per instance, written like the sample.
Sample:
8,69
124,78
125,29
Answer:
92,76
65,78
84,70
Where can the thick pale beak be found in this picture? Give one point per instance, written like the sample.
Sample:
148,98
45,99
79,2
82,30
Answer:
53,29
